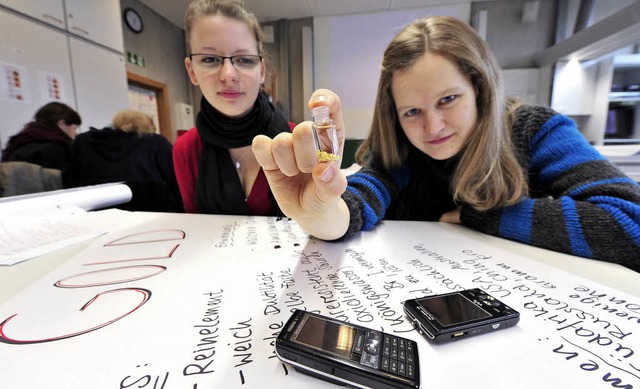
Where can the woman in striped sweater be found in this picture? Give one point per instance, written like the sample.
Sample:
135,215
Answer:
446,145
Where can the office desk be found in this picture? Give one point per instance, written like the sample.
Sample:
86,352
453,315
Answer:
195,301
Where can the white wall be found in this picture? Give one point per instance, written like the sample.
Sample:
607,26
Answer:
348,51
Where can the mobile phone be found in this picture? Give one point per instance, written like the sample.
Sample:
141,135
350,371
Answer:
348,354
450,316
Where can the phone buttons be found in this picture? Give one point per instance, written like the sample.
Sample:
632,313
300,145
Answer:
402,369
372,346
370,360
394,366
373,334
371,354
410,348
394,348
411,373
402,349
410,360
386,348
488,300
385,365
358,341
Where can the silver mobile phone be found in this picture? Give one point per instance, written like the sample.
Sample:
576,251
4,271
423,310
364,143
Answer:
346,353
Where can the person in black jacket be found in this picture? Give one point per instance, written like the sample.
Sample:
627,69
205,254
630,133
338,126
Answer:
129,151
45,141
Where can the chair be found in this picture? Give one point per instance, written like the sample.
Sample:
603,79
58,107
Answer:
19,178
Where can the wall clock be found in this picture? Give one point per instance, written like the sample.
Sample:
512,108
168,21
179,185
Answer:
133,20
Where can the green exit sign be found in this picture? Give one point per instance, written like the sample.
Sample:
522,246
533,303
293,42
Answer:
135,59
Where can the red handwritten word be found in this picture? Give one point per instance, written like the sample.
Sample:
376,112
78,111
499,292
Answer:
131,299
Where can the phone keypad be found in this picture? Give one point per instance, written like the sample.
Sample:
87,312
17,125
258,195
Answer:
386,352
398,356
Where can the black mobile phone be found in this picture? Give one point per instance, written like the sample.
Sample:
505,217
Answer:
348,354
450,316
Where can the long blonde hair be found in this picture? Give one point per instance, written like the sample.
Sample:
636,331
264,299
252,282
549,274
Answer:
233,9
488,174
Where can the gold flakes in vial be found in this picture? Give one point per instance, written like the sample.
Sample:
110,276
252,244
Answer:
324,156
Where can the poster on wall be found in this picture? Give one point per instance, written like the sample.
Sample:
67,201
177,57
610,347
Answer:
51,86
145,100
14,85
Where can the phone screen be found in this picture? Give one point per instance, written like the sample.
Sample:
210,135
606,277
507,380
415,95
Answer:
326,335
453,309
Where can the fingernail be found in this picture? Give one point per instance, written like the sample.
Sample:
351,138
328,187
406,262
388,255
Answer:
328,174
318,98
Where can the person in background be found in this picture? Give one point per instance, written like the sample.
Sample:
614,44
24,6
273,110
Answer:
215,167
446,145
45,141
129,151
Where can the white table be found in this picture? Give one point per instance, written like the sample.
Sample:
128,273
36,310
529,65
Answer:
218,288
15,278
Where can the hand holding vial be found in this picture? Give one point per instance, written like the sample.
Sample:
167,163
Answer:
306,185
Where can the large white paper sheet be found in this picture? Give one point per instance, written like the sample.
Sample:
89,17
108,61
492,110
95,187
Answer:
196,301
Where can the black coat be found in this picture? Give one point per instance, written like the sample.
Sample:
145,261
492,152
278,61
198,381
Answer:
40,145
142,161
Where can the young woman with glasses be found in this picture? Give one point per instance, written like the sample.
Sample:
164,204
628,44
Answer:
215,167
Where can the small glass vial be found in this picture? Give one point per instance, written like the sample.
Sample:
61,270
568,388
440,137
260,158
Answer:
325,136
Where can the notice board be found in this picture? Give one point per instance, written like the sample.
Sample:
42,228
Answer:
196,301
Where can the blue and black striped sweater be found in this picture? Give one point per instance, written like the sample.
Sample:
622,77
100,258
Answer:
579,203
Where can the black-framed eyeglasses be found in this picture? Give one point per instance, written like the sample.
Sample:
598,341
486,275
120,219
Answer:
244,62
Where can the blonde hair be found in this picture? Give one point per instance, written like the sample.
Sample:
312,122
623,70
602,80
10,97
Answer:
488,174
233,9
129,120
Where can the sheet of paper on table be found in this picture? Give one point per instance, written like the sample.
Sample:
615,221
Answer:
196,301
33,225
27,237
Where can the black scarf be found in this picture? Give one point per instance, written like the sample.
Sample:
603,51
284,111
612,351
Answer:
218,187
